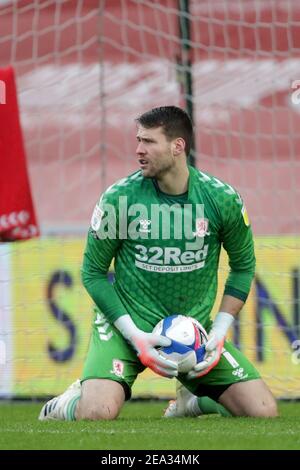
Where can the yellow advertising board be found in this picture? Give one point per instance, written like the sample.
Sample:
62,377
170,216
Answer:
48,354
270,322
47,289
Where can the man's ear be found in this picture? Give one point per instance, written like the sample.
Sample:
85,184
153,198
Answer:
178,146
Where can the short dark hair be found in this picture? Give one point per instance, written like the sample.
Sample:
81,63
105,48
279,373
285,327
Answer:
174,121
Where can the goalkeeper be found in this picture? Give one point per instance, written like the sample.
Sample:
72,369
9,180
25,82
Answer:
164,226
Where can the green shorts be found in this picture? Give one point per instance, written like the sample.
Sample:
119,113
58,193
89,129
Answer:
110,357
232,367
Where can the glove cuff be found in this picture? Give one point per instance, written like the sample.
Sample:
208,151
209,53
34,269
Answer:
126,326
222,323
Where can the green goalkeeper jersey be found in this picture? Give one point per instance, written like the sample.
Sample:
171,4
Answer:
166,249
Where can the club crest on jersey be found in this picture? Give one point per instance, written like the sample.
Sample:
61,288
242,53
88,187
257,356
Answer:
201,228
144,226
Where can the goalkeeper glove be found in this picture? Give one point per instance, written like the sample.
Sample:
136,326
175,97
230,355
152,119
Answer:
214,346
144,344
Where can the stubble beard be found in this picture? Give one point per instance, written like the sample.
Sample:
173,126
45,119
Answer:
157,173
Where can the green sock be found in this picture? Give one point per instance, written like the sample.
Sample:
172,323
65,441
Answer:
71,409
209,406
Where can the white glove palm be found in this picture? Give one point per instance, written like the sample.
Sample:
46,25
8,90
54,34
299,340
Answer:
213,351
145,345
214,345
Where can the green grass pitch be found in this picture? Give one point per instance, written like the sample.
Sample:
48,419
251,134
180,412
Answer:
140,426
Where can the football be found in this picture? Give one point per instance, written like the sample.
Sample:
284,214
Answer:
187,336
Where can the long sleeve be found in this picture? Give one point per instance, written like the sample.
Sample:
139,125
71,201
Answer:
238,242
99,252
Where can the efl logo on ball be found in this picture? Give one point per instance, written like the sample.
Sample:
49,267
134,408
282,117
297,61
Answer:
188,341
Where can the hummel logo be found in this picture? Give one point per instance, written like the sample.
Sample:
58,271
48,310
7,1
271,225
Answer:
144,224
240,373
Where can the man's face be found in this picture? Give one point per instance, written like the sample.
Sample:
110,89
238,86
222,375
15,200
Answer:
154,152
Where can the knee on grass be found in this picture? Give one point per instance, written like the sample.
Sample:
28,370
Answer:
98,411
267,410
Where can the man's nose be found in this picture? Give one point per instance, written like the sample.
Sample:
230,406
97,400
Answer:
140,148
